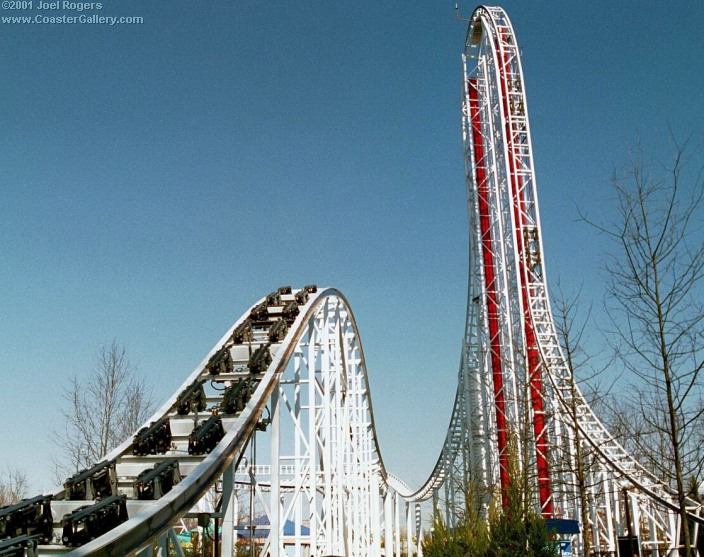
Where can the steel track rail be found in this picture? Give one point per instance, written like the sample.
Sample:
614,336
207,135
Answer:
611,452
157,516
140,529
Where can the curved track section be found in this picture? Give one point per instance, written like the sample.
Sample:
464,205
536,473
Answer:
307,413
534,397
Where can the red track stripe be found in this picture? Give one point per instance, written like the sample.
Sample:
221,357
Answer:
492,306
532,348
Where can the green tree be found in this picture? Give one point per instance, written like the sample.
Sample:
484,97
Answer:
469,537
517,529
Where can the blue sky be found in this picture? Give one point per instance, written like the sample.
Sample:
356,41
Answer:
157,179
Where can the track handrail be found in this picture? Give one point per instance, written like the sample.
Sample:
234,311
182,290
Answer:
146,525
162,513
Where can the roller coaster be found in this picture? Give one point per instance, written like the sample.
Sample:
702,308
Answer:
272,436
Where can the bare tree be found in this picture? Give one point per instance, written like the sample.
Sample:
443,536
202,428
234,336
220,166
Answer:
655,304
585,374
102,410
13,486
571,339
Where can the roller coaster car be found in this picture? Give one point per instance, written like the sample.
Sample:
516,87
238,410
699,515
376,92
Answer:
93,483
260,312
302,297
290,312
311,288
278,331
154,483
243,332
192,399
273,299
237,395
21,546
284,290
29,518
153,439
221,362
90,521
205,436
260,360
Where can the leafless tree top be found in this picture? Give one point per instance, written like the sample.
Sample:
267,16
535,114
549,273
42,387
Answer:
102,409
13,486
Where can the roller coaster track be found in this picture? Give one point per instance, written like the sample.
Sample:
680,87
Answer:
275,426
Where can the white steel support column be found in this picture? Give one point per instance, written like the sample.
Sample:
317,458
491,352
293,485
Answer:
298,456
409,529
328,438
397,525
229,507
313,418
388,523
674,527
634,527
375,515
419,530
607,486
275,545
653,536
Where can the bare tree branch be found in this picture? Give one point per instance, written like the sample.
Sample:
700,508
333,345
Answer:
654,303
101,410
13,486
